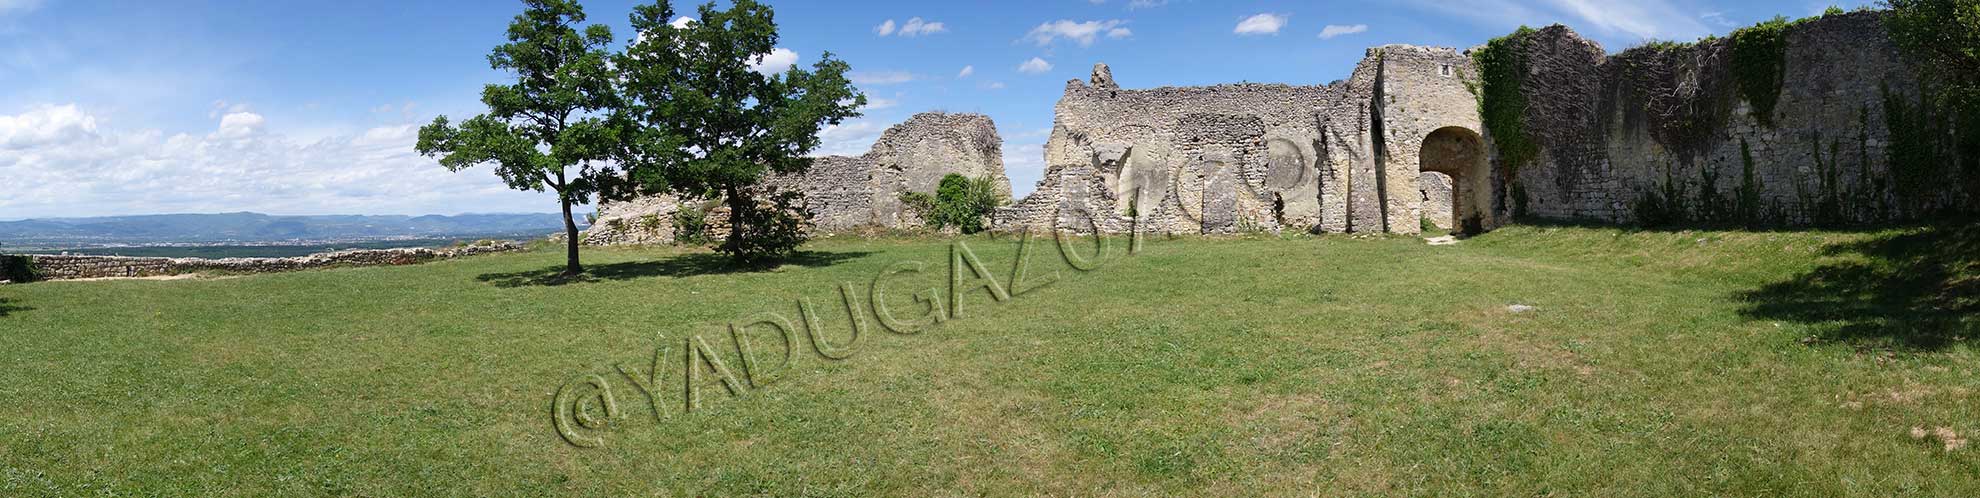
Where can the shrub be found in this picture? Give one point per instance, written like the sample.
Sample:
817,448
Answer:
691,226
961,202
18,269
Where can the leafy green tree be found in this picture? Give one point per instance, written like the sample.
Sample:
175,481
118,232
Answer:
553,128
707,123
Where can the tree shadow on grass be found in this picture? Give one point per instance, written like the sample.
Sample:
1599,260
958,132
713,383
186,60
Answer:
7,307
685,265
1915,289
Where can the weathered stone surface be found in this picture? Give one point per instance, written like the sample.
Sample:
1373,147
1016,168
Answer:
1614,131
1253,157
66,267
646,220
1436,189
843,193
1617,131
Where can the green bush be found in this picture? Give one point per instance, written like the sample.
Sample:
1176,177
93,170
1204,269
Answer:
961,202
18,269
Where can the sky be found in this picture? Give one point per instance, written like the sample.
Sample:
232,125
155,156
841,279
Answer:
295,107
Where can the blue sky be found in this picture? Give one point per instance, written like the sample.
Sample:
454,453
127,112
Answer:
293,107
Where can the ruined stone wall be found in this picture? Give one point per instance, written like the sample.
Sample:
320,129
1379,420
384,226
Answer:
1661,133
843,193
1251,157
65,267
1196,159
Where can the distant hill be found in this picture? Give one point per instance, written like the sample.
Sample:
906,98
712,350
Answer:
262,228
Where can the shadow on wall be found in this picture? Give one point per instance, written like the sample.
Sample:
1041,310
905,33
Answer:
7,307
1916,289
685,265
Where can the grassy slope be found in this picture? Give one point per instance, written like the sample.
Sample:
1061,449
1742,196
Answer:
1657,364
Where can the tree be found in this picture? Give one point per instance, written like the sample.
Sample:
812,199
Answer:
709,121
554,127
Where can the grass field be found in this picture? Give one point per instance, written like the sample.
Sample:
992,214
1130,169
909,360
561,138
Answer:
1653,364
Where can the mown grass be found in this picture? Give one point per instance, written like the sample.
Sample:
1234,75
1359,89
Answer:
1655,364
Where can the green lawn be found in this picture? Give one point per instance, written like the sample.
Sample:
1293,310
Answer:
1656,364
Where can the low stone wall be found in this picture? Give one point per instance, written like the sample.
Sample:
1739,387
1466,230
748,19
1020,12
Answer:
65,267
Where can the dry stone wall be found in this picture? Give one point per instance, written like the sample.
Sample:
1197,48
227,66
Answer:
66,267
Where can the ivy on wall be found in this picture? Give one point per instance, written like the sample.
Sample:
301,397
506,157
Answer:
1502,72
1939,135
1759,61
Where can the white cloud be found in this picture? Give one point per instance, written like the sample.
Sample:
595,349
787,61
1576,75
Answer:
775,62
1261,24
1333,30
851,138
239,124
1621,20
1083,33
45,125
1718,18
682,22
881,77
966,72
1640,18
918,27
82,170
994,85
1034,66
913,27
878,103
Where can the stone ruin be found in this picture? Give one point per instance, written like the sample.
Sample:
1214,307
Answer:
1654,132
844,193
1264,157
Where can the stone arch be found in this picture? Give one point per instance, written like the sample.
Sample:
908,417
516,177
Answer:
1459,153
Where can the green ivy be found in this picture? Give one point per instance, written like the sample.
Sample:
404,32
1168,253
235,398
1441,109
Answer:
1502,67
1759,61
1748,208
1939,135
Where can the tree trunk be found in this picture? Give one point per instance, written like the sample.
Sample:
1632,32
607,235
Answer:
571,266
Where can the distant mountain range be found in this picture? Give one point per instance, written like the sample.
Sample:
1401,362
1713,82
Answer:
228,228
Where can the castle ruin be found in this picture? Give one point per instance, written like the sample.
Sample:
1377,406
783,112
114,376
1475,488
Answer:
1663,132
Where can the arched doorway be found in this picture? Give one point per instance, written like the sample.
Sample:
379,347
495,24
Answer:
1459,154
